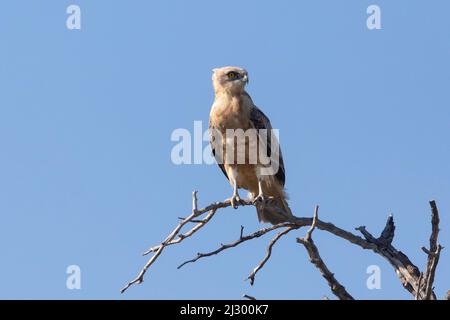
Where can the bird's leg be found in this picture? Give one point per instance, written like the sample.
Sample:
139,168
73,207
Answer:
260,196
235,198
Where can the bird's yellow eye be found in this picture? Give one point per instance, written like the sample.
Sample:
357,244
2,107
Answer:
232,75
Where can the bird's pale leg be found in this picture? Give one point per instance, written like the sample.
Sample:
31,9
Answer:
260,196
235,198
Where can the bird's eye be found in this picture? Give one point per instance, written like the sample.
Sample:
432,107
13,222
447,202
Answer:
232,75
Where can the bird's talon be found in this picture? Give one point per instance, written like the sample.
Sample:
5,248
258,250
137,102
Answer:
235,200
259,198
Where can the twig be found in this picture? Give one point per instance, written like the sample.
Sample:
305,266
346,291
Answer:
200,224
313,225
212,208
193,220
246,296
241,239
194,202
314,256
279,235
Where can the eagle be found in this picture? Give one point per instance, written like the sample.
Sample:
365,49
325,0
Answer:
233,111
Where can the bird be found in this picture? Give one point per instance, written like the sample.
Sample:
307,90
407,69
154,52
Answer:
233,111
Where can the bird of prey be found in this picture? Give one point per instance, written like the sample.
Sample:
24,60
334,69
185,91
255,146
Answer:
234,110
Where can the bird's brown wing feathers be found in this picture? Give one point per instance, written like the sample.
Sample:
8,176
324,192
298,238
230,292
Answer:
213,149
261,121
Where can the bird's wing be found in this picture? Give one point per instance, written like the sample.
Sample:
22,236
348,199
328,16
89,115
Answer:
213,149
261,121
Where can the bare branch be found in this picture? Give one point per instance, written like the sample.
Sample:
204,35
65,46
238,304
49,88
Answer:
419,286
314,256
387,235
194,202
429,295
192,221
212,208
279,235
434,226
200,224
170,240
331,228
433,253
313,225
241,239
407,272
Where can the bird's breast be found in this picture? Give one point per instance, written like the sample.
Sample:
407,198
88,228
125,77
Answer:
229,114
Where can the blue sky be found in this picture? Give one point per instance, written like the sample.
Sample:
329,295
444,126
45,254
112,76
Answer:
85,122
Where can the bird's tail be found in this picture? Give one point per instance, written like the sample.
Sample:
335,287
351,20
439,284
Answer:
274,210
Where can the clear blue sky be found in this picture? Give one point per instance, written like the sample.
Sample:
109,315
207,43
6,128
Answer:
86,117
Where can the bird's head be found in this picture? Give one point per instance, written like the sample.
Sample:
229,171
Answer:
229,79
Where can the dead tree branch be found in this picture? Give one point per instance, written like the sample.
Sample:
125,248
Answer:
314,256
279,235
421,287
241,239
433,253
171,238
406,271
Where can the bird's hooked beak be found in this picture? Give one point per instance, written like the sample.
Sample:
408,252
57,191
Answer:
245,79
